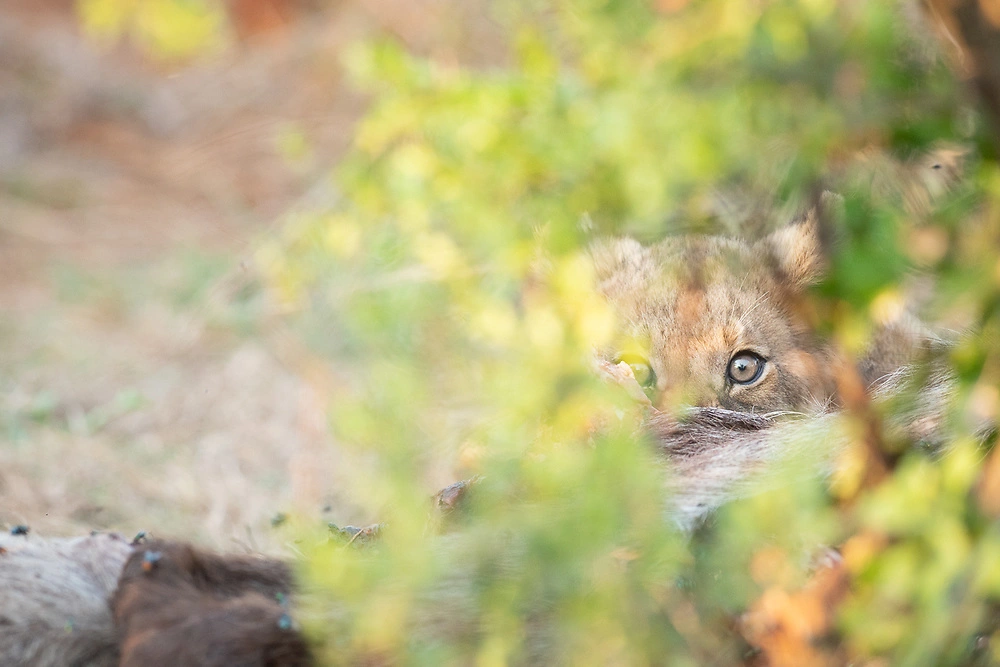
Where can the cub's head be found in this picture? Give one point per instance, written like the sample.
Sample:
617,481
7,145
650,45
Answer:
718,322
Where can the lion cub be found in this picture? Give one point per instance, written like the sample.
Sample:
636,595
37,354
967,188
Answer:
720,322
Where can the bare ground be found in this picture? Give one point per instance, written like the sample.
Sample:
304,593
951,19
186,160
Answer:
146,382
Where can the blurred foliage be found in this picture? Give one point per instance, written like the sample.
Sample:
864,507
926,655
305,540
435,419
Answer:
453,280
456,274
165,29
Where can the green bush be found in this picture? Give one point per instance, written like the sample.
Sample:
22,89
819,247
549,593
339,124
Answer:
456,275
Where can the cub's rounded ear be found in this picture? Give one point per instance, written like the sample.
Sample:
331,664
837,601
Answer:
796,250
616,255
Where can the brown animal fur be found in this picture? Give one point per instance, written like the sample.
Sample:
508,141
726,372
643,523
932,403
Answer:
689,304
176,605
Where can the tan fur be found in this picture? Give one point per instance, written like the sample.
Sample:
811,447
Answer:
691,303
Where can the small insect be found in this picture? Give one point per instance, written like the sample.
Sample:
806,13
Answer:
139,538
20,529
150,559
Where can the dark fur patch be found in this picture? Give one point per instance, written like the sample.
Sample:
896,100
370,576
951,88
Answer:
176,605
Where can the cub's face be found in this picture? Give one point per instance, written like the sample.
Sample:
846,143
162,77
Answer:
718,322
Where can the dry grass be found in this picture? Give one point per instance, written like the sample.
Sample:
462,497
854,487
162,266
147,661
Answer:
143,385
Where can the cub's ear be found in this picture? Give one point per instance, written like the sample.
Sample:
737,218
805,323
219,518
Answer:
796,250
617,255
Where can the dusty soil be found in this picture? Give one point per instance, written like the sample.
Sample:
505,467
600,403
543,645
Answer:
146,380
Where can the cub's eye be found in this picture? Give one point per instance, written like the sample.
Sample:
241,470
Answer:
746,367
644,375
641,369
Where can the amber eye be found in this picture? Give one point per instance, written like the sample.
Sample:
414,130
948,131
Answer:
746,367
641,369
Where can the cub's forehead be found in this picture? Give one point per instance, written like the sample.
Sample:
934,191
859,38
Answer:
623,266
687,286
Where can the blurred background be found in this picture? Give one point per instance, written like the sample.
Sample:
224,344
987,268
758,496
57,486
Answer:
145,380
